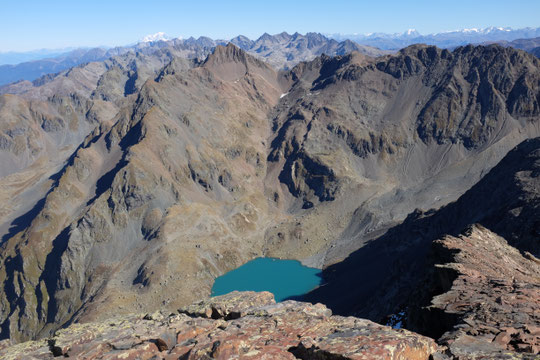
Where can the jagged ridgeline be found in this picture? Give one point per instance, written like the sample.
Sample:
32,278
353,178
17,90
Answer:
131,184
281,50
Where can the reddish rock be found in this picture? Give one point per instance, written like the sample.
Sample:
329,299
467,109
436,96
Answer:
263,330
229,306
490,307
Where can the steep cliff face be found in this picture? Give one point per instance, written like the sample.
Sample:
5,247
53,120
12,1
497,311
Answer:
206,165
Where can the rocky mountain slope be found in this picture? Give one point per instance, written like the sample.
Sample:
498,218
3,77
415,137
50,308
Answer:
192,168
370,140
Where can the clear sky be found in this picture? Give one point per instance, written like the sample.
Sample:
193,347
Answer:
35,24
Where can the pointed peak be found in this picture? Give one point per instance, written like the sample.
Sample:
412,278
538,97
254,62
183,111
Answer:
231,45
228,53
230,62
243,42
240,37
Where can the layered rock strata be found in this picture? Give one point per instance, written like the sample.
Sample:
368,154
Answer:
488,297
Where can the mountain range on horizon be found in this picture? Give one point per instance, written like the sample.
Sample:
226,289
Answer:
445,39
281,51
292,51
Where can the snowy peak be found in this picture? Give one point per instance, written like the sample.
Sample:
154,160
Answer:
411,33
485,31
159,36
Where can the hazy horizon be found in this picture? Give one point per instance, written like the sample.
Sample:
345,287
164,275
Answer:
169,37
34,25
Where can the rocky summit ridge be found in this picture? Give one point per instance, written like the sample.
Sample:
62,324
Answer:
237,325
147,176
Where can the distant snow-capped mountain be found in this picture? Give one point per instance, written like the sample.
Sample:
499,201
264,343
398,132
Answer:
447,39
159,36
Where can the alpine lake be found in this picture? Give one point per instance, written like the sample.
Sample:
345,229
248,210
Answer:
284,278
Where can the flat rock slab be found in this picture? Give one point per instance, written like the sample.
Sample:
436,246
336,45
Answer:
259,329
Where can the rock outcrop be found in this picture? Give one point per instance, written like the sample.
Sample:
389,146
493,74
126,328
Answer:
242,325
487,297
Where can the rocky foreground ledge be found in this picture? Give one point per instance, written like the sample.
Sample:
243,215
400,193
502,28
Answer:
244,325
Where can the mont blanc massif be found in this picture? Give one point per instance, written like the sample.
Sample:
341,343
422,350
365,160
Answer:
409,174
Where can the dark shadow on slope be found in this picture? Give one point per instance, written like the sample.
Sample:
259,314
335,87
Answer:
51,272
23,221
383,276
12,266
375,280
104,183
130,86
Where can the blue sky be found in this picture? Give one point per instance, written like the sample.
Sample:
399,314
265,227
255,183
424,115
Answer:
35,24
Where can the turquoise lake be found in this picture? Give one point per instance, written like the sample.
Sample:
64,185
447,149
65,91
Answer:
283,278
